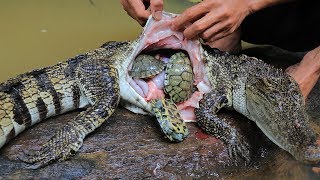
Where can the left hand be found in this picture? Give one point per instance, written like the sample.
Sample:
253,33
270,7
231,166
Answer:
212,19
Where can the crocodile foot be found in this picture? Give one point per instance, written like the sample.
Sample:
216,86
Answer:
238,147
223,129
64,144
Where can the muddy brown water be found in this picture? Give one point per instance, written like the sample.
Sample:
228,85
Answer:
37,33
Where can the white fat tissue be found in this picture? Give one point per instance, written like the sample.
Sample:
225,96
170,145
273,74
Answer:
203,87
188,115
158,35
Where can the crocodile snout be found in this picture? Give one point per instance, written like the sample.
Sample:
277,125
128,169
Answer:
312,153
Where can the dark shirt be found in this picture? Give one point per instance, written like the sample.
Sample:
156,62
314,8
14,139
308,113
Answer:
293,26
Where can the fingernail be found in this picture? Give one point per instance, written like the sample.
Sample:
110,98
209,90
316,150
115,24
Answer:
157,15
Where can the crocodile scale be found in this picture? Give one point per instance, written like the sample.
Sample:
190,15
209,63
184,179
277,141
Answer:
86,81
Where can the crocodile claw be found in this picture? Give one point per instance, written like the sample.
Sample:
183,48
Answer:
46,155
238,148
60,147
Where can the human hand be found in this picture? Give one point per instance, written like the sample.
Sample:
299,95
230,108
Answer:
138,9
230,43
212,19
307,72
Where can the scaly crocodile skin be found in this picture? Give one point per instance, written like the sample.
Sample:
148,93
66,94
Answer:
266,95
99,80
87,81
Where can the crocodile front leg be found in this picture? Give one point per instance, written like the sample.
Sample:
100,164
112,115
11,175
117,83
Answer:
222,129
99,82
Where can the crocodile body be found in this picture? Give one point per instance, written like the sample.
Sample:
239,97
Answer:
264,94
99,79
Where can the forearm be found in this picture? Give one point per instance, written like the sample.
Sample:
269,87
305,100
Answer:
256,5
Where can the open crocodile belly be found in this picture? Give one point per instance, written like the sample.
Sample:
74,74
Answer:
136,92
262,93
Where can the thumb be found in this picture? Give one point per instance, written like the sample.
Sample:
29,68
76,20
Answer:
156,7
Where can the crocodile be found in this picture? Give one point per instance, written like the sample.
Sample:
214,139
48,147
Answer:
99,80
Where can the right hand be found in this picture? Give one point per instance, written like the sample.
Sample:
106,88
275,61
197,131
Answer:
138,9
307,72
230,43
212,19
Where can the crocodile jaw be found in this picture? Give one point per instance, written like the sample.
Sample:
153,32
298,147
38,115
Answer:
157,35
281,116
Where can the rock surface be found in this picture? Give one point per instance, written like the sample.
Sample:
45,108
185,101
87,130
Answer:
132,146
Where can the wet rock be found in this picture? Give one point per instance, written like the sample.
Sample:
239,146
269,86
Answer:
131,146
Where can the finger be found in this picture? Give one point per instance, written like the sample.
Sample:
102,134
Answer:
214,32
200,26
137,10
188,16
156,7
220,35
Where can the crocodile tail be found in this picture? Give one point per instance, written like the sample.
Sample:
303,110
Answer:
34,96
42,93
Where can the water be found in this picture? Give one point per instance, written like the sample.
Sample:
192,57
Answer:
38,33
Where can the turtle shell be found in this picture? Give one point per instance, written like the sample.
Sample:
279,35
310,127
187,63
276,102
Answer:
145,66
179,77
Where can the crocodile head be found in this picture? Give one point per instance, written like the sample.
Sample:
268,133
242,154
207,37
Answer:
276,105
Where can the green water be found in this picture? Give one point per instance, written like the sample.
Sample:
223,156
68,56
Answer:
38,33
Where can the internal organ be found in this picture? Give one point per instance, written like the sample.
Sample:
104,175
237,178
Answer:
176,81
